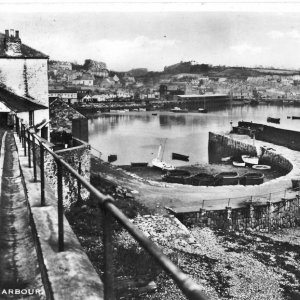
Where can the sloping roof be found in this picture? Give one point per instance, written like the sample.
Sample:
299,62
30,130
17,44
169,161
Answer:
17,103
27,52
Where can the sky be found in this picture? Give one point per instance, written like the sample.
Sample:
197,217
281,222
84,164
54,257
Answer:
126,39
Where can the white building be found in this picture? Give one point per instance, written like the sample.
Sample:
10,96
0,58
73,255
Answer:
69,96
24,81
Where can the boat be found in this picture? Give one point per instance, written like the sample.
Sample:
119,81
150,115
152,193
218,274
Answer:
178,110
159,163
225,159
239,163
202,110
273,120
295,118
154,114
252,178
139,164
112,158
261,167
178,156
201,179
250,160
176,176
227,178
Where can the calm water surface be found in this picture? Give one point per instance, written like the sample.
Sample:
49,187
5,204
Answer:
135,136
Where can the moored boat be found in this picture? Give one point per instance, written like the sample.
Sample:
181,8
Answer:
159,163
295,118
273,120
112,157
178,110
178,156
239,163
201,179
202,110
227,178
252,178
254,102
176,176
250,160
261,167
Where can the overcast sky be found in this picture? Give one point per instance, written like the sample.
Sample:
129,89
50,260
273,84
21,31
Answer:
126,40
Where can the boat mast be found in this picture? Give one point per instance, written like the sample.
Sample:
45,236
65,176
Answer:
163,150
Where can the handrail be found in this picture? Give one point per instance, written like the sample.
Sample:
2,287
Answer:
106,203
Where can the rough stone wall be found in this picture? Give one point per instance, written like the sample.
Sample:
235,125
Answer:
74,157
282,214
62,115
35,82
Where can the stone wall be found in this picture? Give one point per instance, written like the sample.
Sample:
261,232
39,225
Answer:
222,146
79,159
268,217
278,136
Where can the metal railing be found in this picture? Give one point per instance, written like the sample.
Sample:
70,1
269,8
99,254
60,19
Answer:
29,141
256,199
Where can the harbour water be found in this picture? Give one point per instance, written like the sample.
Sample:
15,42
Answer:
136,136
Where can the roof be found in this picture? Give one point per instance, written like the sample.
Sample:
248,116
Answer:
62,91
203,96
18,103
27,52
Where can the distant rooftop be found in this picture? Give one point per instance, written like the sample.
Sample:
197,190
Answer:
202,96
11,46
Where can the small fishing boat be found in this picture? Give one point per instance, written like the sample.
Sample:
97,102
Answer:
203,179
178,156
176,176
112,158
227,178
295,118
178,110
154,114
239,163
225,159
252,179
139,164
202,110
261,167
250,160
273,120
159,163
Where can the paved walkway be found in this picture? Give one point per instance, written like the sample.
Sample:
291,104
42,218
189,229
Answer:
18,260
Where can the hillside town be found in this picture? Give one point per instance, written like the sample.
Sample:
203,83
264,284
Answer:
94,82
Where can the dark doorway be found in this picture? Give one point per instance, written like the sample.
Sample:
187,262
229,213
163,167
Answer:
3,119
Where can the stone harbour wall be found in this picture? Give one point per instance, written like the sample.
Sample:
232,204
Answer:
222,146
268,217
79,159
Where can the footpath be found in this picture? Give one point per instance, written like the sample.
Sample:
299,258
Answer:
18,259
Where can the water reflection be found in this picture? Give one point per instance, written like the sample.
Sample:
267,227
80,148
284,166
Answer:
135,136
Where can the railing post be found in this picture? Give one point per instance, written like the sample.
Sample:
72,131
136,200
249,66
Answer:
24,140
34,159
108,255
60,207
28,144
42,174
79,184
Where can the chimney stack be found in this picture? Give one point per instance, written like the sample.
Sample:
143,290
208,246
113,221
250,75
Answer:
12,43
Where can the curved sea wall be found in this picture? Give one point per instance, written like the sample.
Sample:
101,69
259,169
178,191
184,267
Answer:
263,215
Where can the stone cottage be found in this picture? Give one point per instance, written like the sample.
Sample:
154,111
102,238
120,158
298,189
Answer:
23,82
